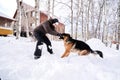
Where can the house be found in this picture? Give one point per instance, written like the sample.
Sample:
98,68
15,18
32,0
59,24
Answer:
28,12
6,24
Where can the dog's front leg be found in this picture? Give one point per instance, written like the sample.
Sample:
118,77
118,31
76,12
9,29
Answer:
67,50
66,53
68,47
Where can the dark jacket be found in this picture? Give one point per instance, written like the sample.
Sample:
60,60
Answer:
46,27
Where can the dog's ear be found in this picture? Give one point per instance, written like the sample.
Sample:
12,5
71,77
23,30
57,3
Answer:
68,35
63,35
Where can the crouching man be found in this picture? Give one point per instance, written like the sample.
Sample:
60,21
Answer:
40,34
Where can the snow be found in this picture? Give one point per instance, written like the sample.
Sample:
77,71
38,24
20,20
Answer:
17,62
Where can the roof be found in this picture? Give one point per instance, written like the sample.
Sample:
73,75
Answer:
6,16
26,7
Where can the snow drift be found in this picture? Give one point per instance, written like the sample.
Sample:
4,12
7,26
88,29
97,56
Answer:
17,62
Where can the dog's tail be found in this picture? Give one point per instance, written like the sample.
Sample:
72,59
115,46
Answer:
97,52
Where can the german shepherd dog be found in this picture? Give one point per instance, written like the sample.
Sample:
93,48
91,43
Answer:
77,46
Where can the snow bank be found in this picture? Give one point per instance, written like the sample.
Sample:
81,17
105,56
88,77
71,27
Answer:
17,63
97,44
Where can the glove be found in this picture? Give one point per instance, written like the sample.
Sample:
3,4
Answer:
59,34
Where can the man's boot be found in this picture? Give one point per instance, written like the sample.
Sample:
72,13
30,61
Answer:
38,52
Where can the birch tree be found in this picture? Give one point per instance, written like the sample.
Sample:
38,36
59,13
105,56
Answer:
18,20
92,19
118,41
105,29
77,17
26,20
71,7
53,5
37,13
82,17
98,27
88,14
48,8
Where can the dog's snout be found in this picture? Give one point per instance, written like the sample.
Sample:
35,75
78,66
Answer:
61,37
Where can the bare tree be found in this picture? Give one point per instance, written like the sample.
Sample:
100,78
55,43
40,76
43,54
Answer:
37,13
92,15
88,14
82,16
18,20
53,5
97,30
92,19
26,20
48,14
77,17
48,8
118,26
105,27
71,7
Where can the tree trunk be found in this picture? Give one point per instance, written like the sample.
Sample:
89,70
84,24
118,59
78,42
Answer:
118,41
48,9
82,9
18,20
48,14
77,18
37,13
97,31
88,11
92,20
72,18
105,28
26,21
27,25
53,5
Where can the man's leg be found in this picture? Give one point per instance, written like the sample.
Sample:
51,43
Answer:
48,44
39,45
38,50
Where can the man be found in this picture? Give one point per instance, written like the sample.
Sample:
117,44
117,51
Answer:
40,34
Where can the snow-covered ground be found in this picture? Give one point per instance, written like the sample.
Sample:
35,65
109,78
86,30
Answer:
17,62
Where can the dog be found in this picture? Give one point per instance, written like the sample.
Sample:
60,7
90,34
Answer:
73,45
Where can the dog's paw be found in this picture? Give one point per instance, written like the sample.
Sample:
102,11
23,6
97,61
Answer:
62,56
